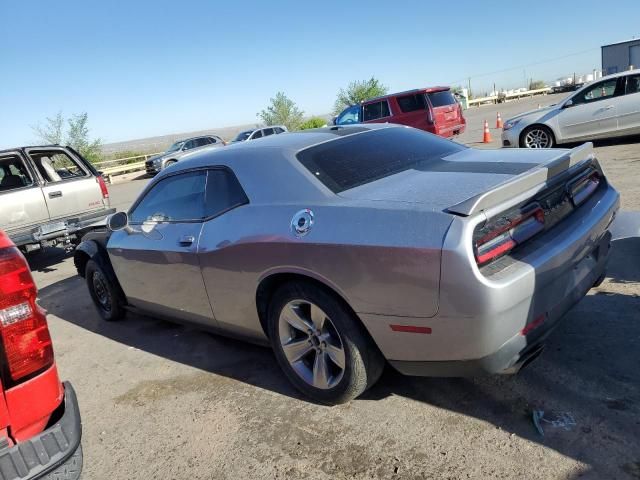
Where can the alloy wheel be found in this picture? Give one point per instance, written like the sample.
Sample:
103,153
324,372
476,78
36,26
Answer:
311,344
101,291
537,138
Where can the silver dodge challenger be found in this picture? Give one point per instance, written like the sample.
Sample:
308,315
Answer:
347,248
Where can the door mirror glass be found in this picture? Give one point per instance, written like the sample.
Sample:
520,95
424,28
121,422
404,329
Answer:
117,221
568,103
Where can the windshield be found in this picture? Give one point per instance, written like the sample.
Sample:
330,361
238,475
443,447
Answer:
242,136
175,147
355,160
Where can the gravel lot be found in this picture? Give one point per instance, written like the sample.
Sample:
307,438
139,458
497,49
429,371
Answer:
165,401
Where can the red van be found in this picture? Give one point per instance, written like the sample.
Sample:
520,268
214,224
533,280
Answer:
40,427
433,109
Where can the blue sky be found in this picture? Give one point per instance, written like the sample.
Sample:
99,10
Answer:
144,68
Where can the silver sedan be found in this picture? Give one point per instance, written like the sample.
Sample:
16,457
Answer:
609,107
347,248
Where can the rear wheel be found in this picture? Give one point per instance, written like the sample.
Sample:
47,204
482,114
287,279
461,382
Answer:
537,136
104,294
322,349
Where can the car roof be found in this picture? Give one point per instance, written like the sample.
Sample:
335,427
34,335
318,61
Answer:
52,145
635,71
268,169
408,92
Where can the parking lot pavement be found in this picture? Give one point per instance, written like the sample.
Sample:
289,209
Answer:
165,401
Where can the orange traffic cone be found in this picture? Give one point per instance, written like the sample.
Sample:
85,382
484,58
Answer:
486,138
498,121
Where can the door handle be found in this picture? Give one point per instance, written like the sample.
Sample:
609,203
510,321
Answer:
55,194
608,107
187,240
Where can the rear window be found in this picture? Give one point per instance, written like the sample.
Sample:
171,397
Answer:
359,159
441,99
411,103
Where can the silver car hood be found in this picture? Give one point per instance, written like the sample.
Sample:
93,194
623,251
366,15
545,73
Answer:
534,114
470,180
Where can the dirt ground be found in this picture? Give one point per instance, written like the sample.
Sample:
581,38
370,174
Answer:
162,401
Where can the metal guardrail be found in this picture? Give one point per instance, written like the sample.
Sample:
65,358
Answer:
509,96
120,167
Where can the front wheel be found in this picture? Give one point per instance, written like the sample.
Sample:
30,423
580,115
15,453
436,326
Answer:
320,345
104,294
537,136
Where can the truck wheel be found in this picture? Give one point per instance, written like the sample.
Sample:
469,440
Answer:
105,295
323,350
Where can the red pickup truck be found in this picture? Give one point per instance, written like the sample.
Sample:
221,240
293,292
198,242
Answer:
40,426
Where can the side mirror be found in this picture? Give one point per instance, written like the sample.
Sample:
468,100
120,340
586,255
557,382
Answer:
117,221
567,104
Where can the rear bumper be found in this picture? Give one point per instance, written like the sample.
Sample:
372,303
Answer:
72,224
450,131
50,450
492,322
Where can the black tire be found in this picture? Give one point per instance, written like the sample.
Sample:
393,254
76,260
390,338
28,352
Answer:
363,362
106,296
69,470
542,128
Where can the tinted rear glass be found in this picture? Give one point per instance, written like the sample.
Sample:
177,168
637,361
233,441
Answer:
373,111
411,103
358,159
441,99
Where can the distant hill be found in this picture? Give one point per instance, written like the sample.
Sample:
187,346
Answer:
161,142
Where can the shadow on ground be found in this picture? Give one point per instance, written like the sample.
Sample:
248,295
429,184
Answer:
589,370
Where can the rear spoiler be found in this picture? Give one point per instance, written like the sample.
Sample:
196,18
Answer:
524,182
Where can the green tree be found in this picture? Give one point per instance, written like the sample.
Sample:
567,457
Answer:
357,92
77,135
313,122
78,138
52,131
282,111
536,85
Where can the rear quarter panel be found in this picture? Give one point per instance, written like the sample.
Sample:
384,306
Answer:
382,260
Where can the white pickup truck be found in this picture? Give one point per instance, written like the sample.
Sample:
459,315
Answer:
49,195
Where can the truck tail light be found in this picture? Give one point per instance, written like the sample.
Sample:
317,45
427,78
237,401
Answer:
501,236
103,186
26,342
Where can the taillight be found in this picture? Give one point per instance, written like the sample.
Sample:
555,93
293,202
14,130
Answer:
26,342
582,188
103,186
499,237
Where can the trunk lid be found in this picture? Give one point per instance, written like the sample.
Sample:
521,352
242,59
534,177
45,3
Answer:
471,180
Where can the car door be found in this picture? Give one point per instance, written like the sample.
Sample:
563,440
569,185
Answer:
232,294
155,260
592,112
69,187
629,109
22,203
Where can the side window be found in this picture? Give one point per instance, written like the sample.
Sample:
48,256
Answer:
267,131
55,166
256,134
201,142
13,174
411,103
212,140
223,192
278,130
374,111
349,116
633,84
189,145
599,91
177,198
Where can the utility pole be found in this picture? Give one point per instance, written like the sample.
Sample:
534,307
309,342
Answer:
469,93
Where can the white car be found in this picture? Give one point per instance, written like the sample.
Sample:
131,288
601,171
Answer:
609,107
259,133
